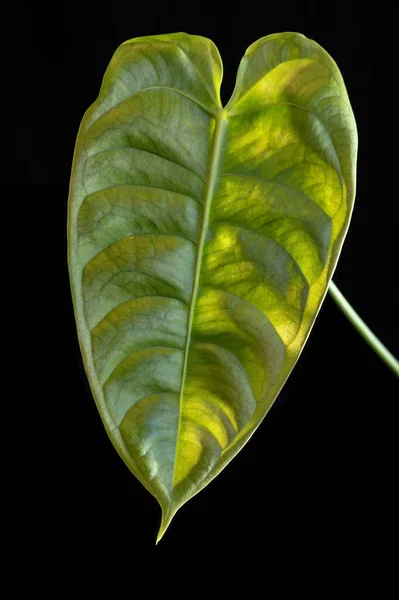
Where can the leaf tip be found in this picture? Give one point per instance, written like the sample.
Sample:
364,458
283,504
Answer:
159,536
167,516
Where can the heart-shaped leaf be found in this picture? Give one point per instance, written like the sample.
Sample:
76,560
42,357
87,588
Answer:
202,240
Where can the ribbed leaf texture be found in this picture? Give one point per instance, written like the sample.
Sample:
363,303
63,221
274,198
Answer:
202,240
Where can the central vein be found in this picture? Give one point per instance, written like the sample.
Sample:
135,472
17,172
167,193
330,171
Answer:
221,120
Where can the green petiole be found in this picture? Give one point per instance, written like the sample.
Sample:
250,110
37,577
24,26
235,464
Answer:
364,330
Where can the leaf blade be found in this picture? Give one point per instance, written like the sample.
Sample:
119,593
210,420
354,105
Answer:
201,243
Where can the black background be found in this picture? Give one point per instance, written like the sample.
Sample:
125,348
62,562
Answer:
315,484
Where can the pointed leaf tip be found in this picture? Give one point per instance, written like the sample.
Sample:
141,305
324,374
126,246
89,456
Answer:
167,517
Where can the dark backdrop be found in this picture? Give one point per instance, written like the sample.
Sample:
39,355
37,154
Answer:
316,481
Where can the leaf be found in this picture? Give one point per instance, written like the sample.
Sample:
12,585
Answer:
202,240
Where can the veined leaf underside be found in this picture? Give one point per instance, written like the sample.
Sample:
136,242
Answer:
201,243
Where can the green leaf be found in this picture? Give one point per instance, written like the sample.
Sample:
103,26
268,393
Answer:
202,240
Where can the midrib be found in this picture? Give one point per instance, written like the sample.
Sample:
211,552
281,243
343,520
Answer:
221,120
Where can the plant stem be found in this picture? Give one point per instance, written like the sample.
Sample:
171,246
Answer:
364,331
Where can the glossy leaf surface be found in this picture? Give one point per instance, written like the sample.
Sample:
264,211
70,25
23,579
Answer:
201,243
